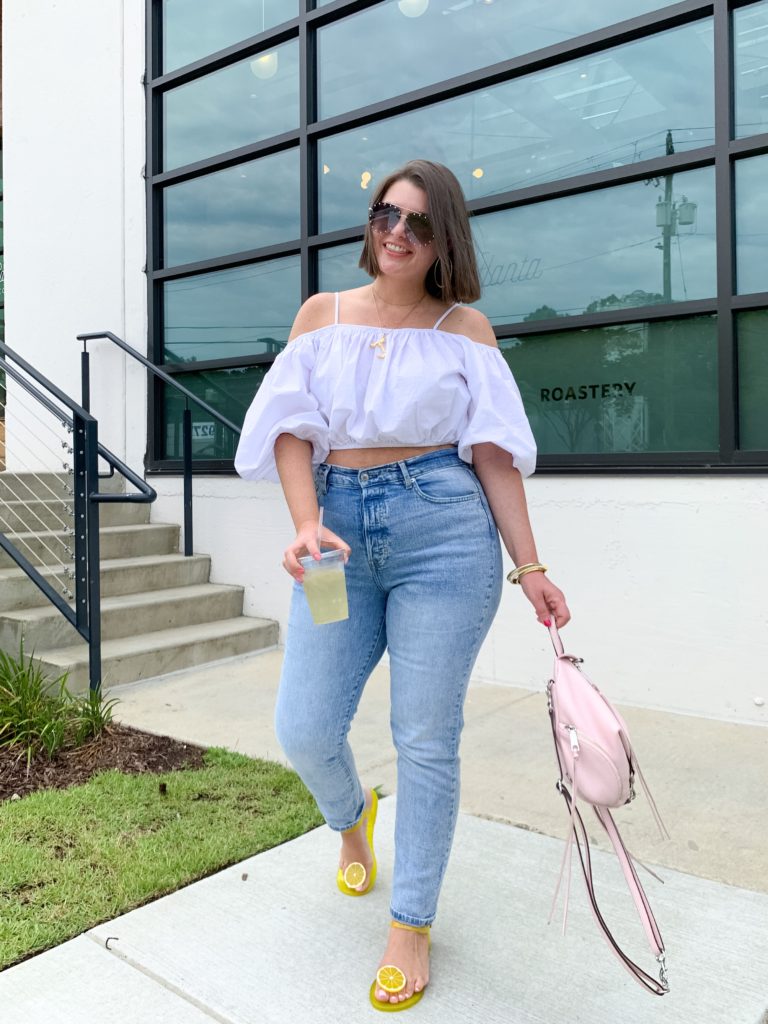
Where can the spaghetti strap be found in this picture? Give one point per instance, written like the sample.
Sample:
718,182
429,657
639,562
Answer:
336,315
445,314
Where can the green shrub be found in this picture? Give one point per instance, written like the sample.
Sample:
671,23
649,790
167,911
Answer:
40,715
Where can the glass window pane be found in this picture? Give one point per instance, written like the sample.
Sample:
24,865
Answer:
634,388
607,110
752,333
752,224
242,207
750,33
337,268
244,103
630,245
243,311
415,43
194,28
229,392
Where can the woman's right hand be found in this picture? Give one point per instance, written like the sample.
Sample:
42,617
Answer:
306,544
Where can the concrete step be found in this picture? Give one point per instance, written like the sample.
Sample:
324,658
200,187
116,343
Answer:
22,486
52,547
118,576
139,657
38,514
123,616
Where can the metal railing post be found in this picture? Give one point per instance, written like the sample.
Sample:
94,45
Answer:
80,525
85,379
94,564
186,431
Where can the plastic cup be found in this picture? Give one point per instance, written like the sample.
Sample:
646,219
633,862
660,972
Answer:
326,587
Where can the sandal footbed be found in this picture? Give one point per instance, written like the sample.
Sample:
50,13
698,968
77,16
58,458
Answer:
406,1004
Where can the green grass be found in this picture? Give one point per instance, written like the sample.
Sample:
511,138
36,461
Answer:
75,857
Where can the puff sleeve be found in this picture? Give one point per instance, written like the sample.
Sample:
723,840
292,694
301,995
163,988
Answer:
284,404
496,411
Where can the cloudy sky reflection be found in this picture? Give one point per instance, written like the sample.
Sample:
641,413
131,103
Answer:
449,38
231,108
568,253
235,312
243,207
608,110
752,225
194,28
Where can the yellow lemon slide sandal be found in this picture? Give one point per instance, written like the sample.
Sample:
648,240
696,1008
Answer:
392,980
355,874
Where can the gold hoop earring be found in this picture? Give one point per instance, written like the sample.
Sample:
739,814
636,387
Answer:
439,263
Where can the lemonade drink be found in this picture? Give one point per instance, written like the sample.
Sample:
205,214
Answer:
326,587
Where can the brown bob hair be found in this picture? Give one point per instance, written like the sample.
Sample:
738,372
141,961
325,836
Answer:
453,276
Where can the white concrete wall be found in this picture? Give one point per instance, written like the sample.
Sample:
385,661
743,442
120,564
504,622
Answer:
665,577
73,133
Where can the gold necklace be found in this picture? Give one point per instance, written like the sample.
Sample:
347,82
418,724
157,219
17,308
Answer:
381,344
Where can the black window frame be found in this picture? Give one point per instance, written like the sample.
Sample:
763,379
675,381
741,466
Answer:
722,155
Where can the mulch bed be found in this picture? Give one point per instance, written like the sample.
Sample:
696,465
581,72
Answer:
127,750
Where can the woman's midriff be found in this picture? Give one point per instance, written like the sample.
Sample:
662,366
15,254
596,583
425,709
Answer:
364,458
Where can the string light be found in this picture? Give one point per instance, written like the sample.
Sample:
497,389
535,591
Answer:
413,8
265,66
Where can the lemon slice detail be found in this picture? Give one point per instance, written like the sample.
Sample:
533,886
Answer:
354,874
390,978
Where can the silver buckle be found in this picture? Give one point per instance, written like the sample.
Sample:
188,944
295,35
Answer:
661,959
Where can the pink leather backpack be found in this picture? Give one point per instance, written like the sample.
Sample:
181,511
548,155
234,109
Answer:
598,766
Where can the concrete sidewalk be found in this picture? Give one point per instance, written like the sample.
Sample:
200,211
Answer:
265,940
709,778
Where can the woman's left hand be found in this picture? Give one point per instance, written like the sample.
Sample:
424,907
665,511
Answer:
546,598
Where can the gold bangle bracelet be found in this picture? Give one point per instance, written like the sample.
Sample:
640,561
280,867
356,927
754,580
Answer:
517,574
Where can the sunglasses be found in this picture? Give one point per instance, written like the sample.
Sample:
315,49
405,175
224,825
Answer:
384,217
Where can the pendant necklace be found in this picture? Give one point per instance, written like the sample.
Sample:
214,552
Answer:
381,344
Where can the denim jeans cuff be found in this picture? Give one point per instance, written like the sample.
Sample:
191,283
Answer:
417,922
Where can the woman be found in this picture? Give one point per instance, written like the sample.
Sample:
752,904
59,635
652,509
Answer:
392,407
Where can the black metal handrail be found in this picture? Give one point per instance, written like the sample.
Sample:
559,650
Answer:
86,451
186,428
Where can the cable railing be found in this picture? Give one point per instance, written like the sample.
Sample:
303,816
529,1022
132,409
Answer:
49,518
186,432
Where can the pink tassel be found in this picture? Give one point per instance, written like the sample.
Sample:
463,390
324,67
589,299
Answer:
654,809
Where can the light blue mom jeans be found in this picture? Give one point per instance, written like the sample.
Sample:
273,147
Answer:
424,582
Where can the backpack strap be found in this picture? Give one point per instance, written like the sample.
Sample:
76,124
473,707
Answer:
580,840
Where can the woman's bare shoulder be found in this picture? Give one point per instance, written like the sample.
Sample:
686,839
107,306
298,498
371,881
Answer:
472,324
317,311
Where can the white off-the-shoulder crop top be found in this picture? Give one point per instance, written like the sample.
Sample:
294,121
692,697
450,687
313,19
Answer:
335,387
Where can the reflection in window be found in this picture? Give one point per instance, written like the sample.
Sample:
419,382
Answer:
632,388
750,33
418,42
242,207
752,225
229,392
752,334
338,268
244,103
194,28
238,312
630,245
606,110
